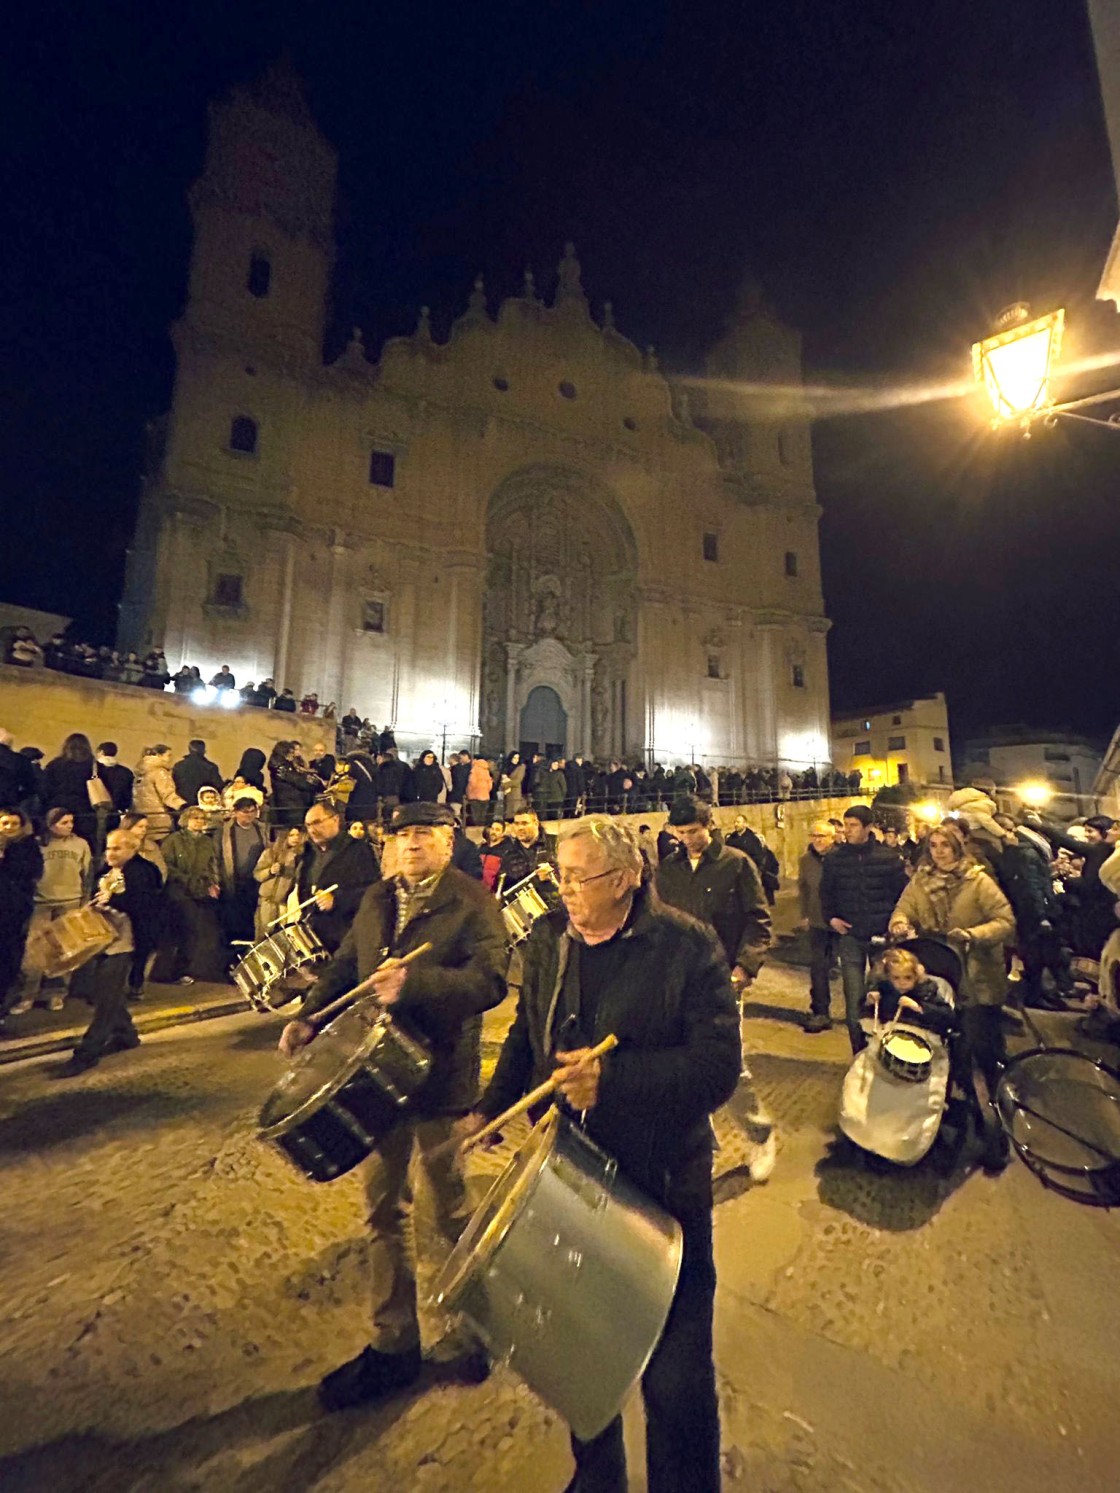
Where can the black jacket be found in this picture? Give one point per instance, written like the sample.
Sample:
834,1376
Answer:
21,865
193,772
352,866
765,861
460,772
1024,876
118,779
466,857
678,1058
576,776
65,787
293,789
519,861
724,891
17,781
861,884
362,803
427,780
446,991
395,780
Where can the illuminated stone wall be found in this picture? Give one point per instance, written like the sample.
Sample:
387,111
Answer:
40,708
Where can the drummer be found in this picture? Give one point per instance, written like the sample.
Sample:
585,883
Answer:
332,858
526,849
441,998
614,959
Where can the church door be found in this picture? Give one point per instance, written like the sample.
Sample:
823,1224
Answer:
544,723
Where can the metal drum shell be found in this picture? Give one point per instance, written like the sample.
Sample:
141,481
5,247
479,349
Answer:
338,1125
279,967
567,1273
910,1070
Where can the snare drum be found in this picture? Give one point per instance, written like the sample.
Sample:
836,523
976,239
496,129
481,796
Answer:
566,1272
343,1092
279,967
66,943
906,1054
523,904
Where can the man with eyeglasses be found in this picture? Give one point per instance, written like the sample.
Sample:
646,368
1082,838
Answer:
614,959
331,857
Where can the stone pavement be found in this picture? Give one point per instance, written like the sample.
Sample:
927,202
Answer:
173,1291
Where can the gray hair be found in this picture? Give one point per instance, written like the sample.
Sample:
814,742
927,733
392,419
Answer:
617,841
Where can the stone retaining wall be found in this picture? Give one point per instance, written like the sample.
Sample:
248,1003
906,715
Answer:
41,707
785,826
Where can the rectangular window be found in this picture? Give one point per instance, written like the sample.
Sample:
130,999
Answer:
711,547
896,743
227,591
382,468
939,743
896,720
713,666
798,676
903,772
861,749
791,562
1055,754
373,616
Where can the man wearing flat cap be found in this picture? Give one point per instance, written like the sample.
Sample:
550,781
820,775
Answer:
439,998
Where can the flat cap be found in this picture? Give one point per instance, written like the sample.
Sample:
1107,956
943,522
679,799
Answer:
406,815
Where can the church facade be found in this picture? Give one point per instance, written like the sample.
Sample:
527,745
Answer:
527,534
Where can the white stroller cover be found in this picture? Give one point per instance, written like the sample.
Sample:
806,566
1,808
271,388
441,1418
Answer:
894,1117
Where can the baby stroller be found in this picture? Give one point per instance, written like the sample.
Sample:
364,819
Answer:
897,1089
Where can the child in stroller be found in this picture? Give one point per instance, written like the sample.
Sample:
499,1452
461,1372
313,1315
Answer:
897,1089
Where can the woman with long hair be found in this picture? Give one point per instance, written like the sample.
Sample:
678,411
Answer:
275,873
66,780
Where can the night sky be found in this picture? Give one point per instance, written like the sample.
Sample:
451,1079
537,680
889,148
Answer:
894,174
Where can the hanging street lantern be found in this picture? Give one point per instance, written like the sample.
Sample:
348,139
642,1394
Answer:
1015,364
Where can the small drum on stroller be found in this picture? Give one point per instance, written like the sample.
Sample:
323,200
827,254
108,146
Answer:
895,1092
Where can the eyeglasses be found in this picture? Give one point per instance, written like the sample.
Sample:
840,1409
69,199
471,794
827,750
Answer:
567,880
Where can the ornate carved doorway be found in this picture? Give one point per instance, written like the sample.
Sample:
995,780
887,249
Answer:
560,610
544,723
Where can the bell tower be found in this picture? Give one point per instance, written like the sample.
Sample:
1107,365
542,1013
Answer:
262,212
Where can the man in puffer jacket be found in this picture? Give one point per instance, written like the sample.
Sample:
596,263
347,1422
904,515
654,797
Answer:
861,881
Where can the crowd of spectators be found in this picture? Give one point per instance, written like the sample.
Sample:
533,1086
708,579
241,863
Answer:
84,661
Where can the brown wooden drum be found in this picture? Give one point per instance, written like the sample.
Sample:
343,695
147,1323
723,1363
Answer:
64,945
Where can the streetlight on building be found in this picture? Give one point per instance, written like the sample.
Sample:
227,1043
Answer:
1017,365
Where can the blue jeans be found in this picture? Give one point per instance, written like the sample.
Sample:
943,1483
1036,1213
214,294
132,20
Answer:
853,975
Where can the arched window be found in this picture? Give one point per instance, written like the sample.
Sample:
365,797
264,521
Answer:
243,435
259,278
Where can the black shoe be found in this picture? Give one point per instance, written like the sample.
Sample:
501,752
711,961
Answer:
818,1022
997,1148
122,1043
368,1377
78,1064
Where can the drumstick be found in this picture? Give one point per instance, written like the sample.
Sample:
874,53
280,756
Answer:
542,1091
301,905
317,1018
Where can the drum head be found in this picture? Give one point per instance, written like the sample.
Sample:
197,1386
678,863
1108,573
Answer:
321,1068
1061,1110
491,1222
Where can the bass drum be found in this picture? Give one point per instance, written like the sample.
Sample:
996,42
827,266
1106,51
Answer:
566,1272
343,1092
1061,1112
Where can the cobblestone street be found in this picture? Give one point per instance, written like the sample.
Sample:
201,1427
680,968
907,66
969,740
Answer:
173,1291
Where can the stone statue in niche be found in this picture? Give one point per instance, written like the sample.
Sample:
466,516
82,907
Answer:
546,618
600,714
